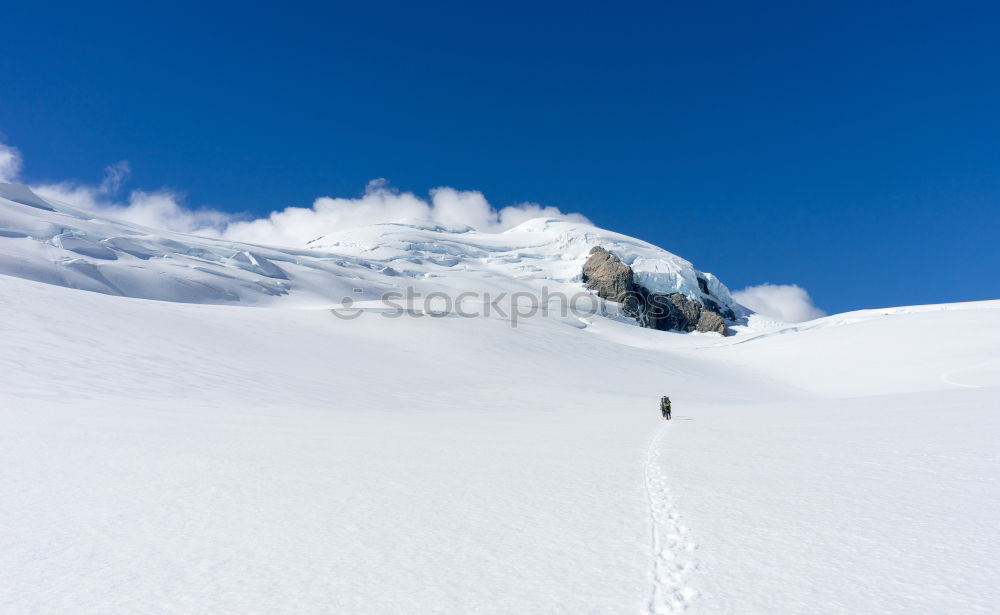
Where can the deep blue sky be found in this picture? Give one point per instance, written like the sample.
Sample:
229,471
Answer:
853,149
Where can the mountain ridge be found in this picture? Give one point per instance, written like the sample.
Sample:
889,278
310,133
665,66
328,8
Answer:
56,243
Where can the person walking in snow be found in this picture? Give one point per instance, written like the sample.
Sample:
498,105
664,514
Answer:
665,407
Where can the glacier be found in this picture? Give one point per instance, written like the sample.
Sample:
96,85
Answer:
59,244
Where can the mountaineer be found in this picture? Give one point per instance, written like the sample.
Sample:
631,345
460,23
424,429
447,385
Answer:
665,407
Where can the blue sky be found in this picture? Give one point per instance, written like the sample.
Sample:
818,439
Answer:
853,149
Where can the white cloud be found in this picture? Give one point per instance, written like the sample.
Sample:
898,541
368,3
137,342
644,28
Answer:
292,226
10,163
786,302
295,226
160,209
114,176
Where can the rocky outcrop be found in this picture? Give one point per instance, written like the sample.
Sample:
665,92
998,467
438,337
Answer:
725,312
711,321
613,280
677,312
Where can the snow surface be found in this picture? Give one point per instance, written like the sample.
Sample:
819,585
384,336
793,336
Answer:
58,244
169,457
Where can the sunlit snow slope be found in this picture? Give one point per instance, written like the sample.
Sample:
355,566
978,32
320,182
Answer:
58,244
166,457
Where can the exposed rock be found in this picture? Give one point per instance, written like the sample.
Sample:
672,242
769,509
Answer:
613,280
709,301
677,312
711,322
610,278
712,306
688,310
671,312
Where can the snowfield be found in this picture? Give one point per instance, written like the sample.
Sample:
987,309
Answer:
194,454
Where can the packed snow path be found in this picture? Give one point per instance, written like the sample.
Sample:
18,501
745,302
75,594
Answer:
672,550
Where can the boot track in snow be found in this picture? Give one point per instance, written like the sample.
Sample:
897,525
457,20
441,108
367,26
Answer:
673,552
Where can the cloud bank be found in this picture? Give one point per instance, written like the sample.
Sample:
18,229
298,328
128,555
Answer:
786,302
292,226
381,203
160,209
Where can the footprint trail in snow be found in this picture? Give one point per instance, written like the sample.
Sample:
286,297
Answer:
673,552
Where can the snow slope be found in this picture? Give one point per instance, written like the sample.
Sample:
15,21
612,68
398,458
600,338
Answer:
168,457
58,244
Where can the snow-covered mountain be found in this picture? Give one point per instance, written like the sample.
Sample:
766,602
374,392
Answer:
193,455
58,244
